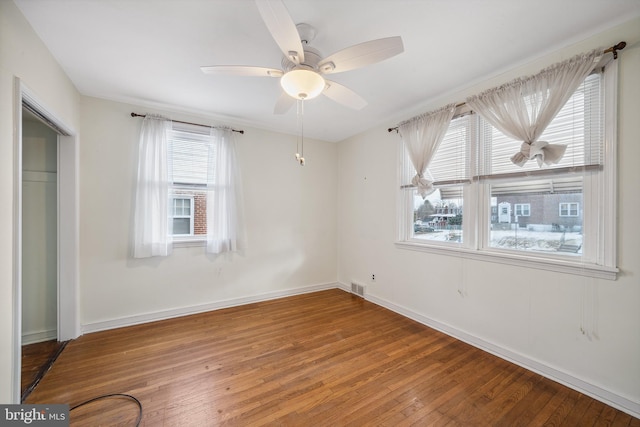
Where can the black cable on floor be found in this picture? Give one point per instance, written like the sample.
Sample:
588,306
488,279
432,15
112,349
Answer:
43,370
105,396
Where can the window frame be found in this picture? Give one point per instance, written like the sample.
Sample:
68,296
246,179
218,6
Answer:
191,215
182,189
568,209
598,259
522,205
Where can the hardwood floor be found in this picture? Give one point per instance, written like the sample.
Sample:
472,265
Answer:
321,359
36,360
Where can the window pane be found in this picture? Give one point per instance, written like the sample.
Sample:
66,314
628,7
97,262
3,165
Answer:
537,215
181,207
177,207
188,150
439,216
451,161
578,126
181,226
190,205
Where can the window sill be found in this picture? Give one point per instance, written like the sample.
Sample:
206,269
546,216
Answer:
510,258
188,242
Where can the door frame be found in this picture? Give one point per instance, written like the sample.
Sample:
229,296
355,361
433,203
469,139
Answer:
68,227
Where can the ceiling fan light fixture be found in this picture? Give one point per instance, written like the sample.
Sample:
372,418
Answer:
302,84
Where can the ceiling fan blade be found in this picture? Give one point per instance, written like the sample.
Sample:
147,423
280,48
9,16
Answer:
362,54
283,104
242,70
343,95
282,28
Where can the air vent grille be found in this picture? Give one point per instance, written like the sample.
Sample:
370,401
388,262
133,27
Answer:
357,289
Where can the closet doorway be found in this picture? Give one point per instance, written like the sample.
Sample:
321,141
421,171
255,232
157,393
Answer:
46,239
40,343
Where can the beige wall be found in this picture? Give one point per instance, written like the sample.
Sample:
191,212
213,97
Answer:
301,220
24,56
290,213
524,313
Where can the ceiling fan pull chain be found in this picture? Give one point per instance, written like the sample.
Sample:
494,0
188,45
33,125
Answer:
298,129
301,101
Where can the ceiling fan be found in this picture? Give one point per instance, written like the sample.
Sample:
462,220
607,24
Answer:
303,67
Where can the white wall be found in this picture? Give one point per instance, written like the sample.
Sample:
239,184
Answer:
531,316
39,232
293,232
290,213
23,55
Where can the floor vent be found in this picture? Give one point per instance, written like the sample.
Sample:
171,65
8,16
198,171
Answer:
357,289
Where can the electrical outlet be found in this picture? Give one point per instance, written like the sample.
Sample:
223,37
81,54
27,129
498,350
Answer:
373,277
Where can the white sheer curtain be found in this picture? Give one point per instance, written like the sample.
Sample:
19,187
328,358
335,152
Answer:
523,108
225,228
422,136
152,228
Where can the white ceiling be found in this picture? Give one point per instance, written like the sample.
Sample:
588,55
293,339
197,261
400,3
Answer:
149,52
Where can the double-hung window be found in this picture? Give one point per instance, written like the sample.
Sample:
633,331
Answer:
182,215
188,189
523,209
546,229
569,209
189,153
486,206
439,217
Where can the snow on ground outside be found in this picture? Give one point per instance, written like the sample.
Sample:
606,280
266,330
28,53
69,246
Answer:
521,239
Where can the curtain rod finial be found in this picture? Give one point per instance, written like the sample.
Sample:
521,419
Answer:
618,47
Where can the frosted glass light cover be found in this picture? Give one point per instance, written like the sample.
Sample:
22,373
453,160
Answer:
302,84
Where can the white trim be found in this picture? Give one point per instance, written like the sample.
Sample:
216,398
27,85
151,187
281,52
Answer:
609,195
36,337
522,260
68,229
180,241
606,396
217,305
17,243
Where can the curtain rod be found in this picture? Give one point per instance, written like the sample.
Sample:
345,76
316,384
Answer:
613,49
187,123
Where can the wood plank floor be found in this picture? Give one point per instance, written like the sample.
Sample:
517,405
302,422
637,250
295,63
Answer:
320,359
36,359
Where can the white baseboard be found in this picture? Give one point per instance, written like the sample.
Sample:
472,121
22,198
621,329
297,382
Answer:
35,337
596,392
185,311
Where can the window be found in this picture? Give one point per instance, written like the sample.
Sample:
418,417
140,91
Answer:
439,217
523,209
182,216
569,209
540,231
524,215
189,153
188,185
579,126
